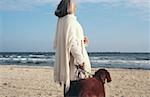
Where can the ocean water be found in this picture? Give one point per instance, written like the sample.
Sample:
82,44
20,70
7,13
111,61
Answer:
97,59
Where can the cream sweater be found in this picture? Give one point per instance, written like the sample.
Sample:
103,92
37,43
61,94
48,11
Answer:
70,50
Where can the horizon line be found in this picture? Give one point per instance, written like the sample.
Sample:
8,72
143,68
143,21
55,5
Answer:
88,52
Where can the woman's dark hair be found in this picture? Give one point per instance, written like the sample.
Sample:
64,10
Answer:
62,9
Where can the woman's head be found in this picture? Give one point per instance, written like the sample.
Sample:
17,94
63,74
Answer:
65,7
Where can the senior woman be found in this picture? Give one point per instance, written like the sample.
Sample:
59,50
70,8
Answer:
69,44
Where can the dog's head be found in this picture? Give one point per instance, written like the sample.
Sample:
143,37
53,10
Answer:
102,75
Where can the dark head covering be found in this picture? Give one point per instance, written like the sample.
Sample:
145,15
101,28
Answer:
62,9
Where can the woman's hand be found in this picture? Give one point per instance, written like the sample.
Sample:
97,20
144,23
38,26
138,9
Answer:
81,66
86,40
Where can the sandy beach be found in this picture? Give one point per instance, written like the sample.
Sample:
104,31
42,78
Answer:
18,81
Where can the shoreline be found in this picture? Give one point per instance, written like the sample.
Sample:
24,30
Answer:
26,66
50,67
18,81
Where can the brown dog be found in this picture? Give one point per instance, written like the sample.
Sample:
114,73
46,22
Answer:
90,87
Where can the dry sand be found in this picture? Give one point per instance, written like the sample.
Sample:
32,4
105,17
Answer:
38,82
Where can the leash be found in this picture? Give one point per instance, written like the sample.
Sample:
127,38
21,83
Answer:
82,70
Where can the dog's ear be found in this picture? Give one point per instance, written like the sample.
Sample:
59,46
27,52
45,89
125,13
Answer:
103,77
108,77
97,75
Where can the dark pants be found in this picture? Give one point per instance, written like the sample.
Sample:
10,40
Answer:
73,90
